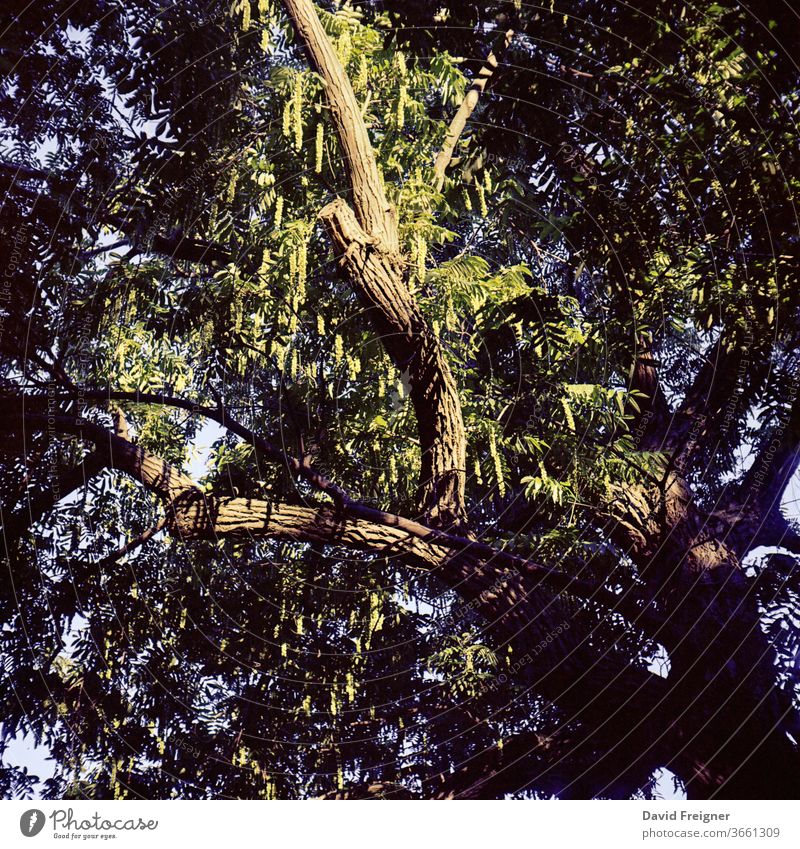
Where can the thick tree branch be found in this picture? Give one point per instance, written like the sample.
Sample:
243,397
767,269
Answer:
154,473
710,405
367,243
585,757
218,414
781,533
372,208
416,351
176,245
751,513
651,424
466,109
496,581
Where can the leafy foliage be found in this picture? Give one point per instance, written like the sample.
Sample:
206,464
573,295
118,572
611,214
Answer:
629,176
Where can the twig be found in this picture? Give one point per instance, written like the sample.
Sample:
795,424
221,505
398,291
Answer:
465,111
133,544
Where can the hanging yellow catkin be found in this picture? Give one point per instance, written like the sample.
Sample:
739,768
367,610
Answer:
338,349
297,112
501,482
319,149
302,271
401,106
488,183
413,263
278,212
498,466
421,255
568,414
401,64
266,259
482,200
286,125
543,472
467,200
231,193
113,778
320,324
375,615
263,8
265,40
246,15
344,46
478,475
236,309
363,72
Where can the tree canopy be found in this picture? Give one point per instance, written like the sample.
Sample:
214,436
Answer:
491,313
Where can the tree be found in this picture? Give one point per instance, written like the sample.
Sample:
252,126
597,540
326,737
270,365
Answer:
501,361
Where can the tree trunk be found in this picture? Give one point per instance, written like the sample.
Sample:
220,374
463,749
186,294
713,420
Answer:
728,736
732,719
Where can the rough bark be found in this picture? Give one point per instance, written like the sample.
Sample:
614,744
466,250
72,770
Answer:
373,210
729,721
651,422
732,720
728,735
